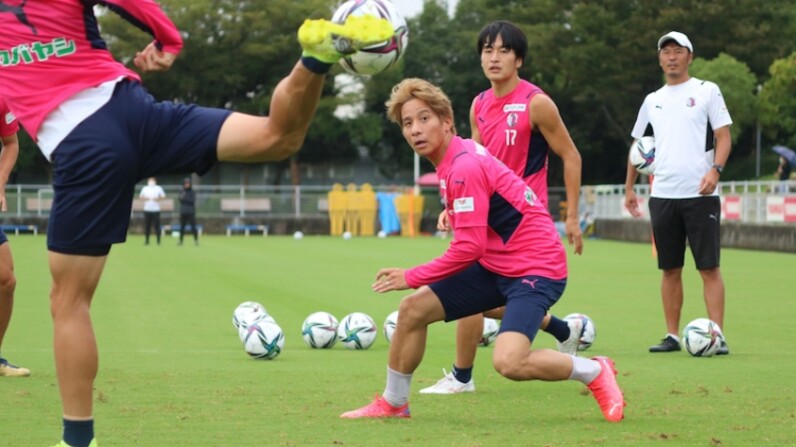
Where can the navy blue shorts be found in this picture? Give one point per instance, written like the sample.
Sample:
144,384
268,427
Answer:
96,167
3,238
476,289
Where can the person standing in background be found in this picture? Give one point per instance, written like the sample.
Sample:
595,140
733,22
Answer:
783,175
152,194
188,210
684,199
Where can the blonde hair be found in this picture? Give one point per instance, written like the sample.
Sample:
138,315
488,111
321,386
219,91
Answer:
415,88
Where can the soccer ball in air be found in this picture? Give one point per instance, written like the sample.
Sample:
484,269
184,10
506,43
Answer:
319,330
389,325
491,328
381,56
357,331
589,332
247,313
264,340
642,155
702,337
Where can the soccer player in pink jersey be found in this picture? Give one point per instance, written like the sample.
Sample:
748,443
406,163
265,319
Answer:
9,150
519,124
507,252
102,132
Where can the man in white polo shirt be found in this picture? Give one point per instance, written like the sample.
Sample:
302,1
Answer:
691,126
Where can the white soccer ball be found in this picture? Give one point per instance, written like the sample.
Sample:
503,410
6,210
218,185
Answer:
491,328
382,234
381,56
264,340
347,235
243,330
589,333
389,325
357,331
319,330
298,235
247,313
642,155
702,337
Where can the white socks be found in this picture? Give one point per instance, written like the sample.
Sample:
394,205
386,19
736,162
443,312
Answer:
584,370
396,393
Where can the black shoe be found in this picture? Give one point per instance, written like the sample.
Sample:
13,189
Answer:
723,348
668,344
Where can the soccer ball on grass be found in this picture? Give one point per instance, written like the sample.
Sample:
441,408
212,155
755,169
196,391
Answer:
357,331
589,332
264,340
491,328
319,330
702,337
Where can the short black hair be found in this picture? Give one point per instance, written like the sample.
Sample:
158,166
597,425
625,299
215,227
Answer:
513,37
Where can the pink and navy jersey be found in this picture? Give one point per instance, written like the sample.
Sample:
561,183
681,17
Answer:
50,50
496,220
8,122
505,127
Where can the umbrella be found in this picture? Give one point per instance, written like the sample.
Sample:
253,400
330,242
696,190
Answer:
786,153
428,179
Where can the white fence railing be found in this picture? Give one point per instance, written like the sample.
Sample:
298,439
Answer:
747,201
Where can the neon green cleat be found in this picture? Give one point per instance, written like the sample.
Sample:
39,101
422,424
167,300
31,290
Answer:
63,444
328,41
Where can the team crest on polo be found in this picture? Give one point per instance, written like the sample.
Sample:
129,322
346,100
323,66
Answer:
512,119
691,102
508,108
10,118
463,205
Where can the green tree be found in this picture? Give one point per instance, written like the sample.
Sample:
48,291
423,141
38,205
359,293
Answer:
778,101
737,85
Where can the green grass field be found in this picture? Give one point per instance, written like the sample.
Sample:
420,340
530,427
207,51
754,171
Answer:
173,372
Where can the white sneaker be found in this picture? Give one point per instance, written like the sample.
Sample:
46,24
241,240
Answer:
9,370
570,345
449,385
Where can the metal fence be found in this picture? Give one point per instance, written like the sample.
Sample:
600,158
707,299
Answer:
747,201
753,202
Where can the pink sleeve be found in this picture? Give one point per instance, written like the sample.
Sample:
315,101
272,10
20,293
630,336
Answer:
467,247
466,184
147,15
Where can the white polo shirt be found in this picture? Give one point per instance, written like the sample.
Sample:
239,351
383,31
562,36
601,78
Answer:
680,116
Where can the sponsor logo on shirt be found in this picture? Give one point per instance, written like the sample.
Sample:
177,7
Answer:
442,183
690,102
29,53
10,118
463,205
514,108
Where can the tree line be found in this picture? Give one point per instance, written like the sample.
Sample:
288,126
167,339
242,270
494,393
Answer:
596,58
